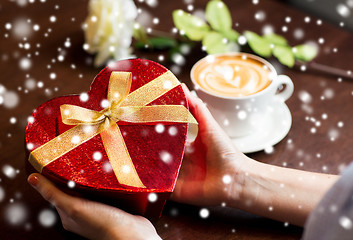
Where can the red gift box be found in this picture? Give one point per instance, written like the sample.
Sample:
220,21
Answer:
121,143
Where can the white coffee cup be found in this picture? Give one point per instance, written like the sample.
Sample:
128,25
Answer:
242,115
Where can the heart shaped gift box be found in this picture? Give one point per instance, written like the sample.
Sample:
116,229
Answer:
122,143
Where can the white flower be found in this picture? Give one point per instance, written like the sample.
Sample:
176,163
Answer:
109,28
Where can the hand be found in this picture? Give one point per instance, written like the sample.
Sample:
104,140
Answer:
214,171
210,171
93,220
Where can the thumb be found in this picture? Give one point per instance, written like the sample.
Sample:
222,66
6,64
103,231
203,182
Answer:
50,192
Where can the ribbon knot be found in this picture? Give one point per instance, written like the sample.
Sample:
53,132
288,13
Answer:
124,106
107,113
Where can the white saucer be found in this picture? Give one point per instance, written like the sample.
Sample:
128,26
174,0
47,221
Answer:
278,123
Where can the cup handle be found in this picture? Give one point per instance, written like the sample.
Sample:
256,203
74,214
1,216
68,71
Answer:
288,91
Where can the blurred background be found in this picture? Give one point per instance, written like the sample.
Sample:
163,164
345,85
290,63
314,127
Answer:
43,55
338,12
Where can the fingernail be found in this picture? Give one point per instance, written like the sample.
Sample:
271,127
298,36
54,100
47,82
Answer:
194,93
33,180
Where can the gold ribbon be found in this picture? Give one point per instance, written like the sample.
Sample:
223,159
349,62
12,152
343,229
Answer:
122,107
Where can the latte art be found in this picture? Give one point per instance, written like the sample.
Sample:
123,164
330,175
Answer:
232,76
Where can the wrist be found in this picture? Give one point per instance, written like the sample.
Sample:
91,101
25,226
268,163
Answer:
235,184
135,235
135,227
243,189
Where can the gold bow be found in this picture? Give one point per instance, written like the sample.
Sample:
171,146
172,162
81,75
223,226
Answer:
122,107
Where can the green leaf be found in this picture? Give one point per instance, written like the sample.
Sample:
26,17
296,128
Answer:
214,43
195,28
157,43
218,15
232,47
304,52
231,35
139,33
275,39
284,55
161,43
140,45
258,44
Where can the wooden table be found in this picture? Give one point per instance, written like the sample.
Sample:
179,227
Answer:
317,141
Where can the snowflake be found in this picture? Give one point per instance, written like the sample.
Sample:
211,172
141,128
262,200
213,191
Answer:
321,40
165,156
343,10
267,29
9,171
52,75
8,26
161,58
178,59
167,85
204,213
36,27
174,212
333,134
260,15
84,97
25,63
105,103
126,169
152,197
52,19
13,120
16,214
107,167
155,20
269,149
298,33
22,28
159,128
172,131
242,115
345,222
227,179
97,156
71,184
152,3
242,40
47,218
313,130
304,96
30,84
226,122
75,139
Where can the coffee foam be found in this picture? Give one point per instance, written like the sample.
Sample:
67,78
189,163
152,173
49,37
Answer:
232,75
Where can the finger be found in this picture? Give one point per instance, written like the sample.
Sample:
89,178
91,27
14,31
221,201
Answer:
199,109
49,192
194,102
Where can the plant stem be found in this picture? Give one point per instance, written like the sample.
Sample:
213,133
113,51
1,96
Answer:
328,70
